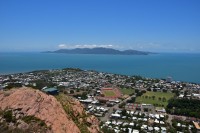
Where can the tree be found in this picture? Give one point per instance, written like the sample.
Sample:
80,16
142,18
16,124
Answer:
107,130
145,109
164,99
164,90
136,90
143,91
84,95
153,97
176,92
8,116
177,106
123,112
185,93
122,105
149,89
71,91
159,98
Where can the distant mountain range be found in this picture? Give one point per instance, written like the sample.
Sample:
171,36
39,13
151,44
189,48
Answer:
100,50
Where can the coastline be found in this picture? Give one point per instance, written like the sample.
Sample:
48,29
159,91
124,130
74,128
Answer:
181,67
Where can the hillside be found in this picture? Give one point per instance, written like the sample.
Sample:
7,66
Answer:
101,51
29,110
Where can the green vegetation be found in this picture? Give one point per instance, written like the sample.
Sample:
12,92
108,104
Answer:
29,119
186,107
139,93
106,129
40,83
13,85
174,128
34,124
155,98
83,95
68,107
109,93
127,91
132,100
8,116
72,69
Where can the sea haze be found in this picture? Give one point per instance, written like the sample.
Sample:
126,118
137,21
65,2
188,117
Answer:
181,67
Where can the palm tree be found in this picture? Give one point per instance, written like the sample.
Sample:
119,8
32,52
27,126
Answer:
159,98
153,97
164,99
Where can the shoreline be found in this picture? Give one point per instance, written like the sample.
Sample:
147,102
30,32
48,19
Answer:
31,71
182,67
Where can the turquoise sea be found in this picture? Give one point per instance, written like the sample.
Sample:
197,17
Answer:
181,67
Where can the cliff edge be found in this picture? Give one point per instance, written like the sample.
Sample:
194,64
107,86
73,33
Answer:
26,103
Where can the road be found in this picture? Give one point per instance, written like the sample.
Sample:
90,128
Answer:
110,111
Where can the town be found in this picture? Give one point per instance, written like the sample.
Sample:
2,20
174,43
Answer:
129,104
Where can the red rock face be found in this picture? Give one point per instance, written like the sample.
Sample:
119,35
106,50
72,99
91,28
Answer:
94,128
40,105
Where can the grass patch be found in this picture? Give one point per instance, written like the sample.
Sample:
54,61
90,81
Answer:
109,93
155,98
126,91
8,116
31,118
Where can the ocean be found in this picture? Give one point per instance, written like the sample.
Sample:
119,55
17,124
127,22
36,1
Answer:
181,67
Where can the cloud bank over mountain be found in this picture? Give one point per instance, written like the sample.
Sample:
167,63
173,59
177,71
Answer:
68,46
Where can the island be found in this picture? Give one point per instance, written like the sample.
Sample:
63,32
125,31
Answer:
100,50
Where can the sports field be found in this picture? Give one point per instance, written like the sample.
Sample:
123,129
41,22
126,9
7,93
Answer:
126,91
109,93
155,98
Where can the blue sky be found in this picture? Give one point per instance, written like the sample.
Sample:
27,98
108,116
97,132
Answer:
149,25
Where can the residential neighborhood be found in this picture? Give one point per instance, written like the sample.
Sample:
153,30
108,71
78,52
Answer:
129,104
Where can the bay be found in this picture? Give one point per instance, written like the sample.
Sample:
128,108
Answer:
181,67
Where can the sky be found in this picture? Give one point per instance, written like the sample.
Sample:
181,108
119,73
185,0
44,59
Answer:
147,25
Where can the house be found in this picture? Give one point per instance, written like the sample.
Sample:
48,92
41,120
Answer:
86,101
115,115
157,129
131,124
196,95
163,129
150,129
160,110
181,96
135,131
51,91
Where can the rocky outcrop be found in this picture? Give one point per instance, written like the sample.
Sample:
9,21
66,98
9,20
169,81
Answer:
94,122
40,105
86,123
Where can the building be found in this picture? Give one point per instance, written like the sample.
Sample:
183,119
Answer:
169,79
51,91
197,125
160,110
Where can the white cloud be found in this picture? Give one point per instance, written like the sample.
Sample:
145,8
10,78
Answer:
62,45
67,46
